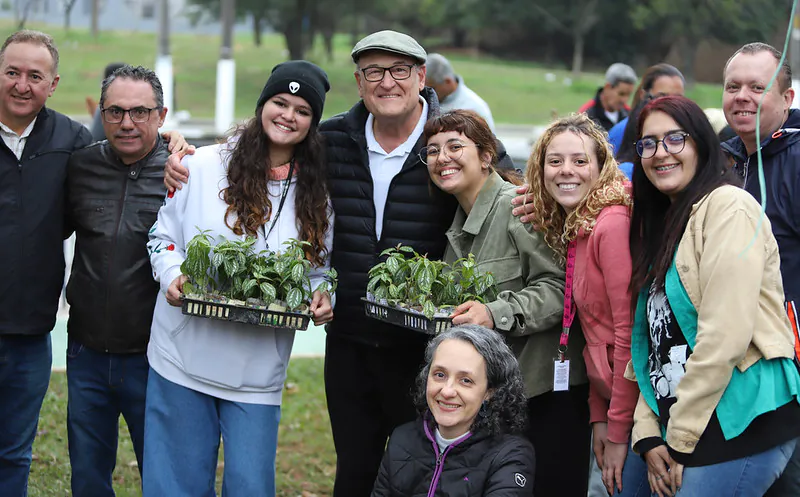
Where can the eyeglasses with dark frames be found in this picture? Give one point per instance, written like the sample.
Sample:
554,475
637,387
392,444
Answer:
453,150
673,144
115,115
399,72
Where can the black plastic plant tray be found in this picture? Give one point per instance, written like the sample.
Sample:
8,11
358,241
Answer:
247,315
406,319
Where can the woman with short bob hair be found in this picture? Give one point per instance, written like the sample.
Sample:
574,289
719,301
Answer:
711,346
468,440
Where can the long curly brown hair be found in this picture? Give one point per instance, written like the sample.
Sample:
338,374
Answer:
558,227
249,206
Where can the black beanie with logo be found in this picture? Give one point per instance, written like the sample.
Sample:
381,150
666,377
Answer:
301,78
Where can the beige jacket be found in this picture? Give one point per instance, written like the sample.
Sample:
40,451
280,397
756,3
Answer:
728,263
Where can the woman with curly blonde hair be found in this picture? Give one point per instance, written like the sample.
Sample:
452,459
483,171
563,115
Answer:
581,205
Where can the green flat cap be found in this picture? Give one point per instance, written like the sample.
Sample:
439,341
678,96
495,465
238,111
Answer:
390,41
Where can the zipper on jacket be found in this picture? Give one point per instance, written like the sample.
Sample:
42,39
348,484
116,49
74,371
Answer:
112,251
437,472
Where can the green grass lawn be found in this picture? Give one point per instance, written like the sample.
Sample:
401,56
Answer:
306,459
517,92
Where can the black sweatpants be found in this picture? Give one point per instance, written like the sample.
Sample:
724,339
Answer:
558,428
369,392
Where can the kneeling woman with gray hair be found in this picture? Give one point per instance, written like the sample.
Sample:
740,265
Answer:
472,411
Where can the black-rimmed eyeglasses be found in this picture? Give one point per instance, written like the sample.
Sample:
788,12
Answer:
115,115
376,73
673,144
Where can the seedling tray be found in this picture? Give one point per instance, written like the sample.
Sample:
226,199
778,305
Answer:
247,315
406,319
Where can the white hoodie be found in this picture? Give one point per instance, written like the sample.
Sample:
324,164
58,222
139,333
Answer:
230,361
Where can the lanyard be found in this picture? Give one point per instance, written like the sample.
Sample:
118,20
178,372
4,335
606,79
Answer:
569,304
284,194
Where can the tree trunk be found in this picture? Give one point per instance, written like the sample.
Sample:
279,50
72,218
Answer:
294,42
67,13
460,37
327,39
577,53
687,49
257,22
295,31
95,19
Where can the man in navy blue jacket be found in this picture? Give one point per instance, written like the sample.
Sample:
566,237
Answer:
746,77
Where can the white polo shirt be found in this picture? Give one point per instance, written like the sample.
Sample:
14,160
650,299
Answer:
14,141
385,166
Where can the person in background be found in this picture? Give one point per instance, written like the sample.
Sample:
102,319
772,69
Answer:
658,81
468,439
712,348
209,378
461,157
97,129
582,208
610,105
453,93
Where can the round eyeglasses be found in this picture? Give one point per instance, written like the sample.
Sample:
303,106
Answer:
453,150
115,115
673,144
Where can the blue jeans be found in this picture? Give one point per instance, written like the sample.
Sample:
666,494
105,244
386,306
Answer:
746,477
181,443
101,387
25,363
788,485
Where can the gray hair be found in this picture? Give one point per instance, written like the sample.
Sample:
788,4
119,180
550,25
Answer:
36,38
785,78
620,73
439,69
137,73
506,409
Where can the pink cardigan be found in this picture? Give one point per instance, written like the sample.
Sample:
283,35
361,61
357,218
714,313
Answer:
602,276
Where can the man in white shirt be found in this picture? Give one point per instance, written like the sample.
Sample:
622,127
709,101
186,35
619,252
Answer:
453,93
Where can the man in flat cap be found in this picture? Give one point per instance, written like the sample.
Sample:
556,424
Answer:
381,197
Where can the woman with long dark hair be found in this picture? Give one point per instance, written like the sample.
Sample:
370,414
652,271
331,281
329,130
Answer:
711,347
209,378
468,440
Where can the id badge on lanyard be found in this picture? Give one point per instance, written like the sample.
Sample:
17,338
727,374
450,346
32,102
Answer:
561,364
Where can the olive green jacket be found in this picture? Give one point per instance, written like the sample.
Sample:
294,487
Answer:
528,310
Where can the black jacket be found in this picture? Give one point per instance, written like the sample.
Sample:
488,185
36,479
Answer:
416,214
597,113
112,206
481,465
781,158
32,224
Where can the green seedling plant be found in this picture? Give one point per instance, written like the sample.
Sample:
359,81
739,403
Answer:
197,265
231,269
407,279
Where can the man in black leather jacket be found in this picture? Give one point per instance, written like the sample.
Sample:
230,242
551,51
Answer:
114,191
